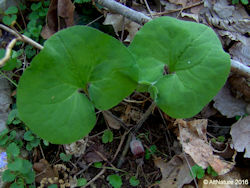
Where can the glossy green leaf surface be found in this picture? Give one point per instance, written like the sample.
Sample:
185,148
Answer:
80,68
182,64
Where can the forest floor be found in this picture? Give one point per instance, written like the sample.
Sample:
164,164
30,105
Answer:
134,144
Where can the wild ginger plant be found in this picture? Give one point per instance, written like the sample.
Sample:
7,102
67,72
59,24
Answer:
181,64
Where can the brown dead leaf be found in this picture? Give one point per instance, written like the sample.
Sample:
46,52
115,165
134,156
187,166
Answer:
193,17
77,148
44,170
93,156
198,148
227,104
119,22
240,132
175,173
112,122
225,16
60,15
179,2
240,86
240,51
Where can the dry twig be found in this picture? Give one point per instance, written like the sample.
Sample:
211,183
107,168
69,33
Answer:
8,52
22,37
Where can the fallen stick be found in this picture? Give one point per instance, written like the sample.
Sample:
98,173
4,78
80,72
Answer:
22,37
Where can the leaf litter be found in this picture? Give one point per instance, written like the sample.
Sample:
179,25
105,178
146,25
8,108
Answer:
232,25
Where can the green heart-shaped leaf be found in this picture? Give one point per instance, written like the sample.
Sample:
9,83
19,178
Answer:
9,19
76,64
182,64
11,10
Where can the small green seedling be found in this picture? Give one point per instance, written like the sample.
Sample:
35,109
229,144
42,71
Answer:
218,139
13,62
244,2
36,20
181,64
10,15
115,180
197,171
211,171
134,181
65,157
82,1
148,153
52,186
32,140
81,182
98,164
20,172
107,136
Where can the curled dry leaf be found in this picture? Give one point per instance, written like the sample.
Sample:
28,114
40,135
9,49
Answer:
119,22
179,2
240,132
44,170
60,15
241,51
112,122
95,153
194,17
228,105
77,148
240,86
199,149
175,173
226,16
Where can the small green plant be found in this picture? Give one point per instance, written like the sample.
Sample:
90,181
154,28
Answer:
32,140
244,2
82,1
52,186
107,136
149,152
81,182
65,157
211,171
218,139
115,180
20,172
182,65
198,171
10,15
36,20
13,62
134,181
98,164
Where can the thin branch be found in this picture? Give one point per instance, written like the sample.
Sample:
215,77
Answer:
179,9
131,14
240,68
22,37
8,52
149,10
95,178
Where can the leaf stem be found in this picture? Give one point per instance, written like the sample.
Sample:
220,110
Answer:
8,78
